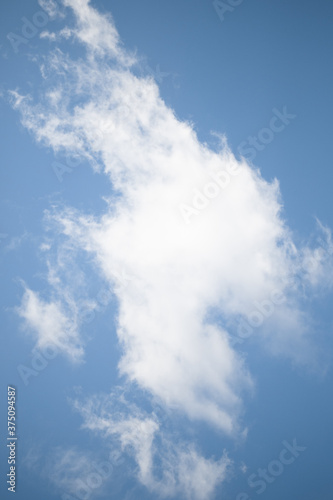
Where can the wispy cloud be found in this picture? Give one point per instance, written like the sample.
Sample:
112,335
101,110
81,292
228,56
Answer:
76,473
182,470
15,242
55,316
51,325
72,471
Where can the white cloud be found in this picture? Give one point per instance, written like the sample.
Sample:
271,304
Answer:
183,470
317,262
51,325
97,32
189,282
49,36
56,317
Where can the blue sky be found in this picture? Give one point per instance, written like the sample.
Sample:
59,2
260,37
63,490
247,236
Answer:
166,248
